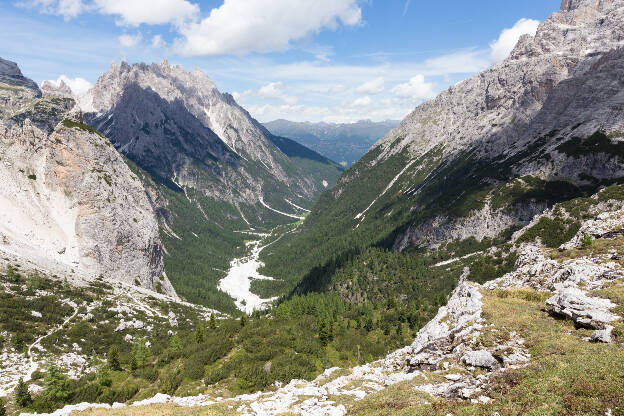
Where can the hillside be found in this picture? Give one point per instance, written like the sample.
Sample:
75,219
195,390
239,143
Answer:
465,170
345,143
545,338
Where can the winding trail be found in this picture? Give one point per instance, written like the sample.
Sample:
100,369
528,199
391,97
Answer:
34,365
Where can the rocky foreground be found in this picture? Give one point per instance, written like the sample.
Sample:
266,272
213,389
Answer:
555,300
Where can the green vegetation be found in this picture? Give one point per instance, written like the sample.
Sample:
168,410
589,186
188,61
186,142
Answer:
599,142
70,124
553,232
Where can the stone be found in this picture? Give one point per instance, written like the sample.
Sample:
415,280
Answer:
480,358
603,335
590,312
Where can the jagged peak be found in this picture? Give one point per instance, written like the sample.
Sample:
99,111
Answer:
570,5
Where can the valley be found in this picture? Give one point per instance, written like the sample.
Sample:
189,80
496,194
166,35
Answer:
164,252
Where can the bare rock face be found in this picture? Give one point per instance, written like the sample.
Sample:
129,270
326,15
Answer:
562,85
69,203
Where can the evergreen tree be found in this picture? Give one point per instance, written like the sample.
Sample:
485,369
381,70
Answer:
175,345
113,358
57,385
213,321
243,320
323,332
369,324
200,336
102,374
3,411
133,363
139,354
22,395
399,329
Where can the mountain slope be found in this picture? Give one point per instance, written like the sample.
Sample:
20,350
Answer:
212,170
68,202
345,143
483,158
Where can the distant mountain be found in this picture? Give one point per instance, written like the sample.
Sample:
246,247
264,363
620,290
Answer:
343,143
210,169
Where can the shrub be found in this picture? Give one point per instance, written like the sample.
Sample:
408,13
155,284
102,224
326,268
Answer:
587,241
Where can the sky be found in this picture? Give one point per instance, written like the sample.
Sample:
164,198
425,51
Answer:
301,60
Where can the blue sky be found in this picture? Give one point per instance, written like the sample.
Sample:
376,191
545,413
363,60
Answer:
304,60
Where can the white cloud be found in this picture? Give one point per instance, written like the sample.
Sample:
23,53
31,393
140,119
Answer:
374,86
151,12
362,102
416,88
79,86
130,41
66,8
241,26
502,47
157,42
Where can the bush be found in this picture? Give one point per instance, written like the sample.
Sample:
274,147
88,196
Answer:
587,241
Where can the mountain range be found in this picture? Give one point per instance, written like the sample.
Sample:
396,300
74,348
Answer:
345,143
471,262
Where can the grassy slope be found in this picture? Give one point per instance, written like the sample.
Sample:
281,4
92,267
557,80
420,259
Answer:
566,375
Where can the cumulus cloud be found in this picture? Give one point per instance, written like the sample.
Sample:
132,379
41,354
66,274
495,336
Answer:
130,41
416,88
502,47
151,12
241,26
79,86
374,86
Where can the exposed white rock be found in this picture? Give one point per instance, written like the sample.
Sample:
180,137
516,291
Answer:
587,311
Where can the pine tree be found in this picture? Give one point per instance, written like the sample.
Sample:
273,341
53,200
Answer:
113,358
200,336
213,321
22,395
323,332
57,385
175,345
243,320
3,411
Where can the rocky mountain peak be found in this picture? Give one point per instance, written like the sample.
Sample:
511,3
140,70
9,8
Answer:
12,75
60,90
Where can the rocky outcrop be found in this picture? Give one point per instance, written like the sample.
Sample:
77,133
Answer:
60,90
590,312
69,202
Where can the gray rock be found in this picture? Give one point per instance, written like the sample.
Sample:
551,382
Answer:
589,312
480,358
603,335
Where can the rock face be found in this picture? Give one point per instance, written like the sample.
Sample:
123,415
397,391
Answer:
178,126
68,201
